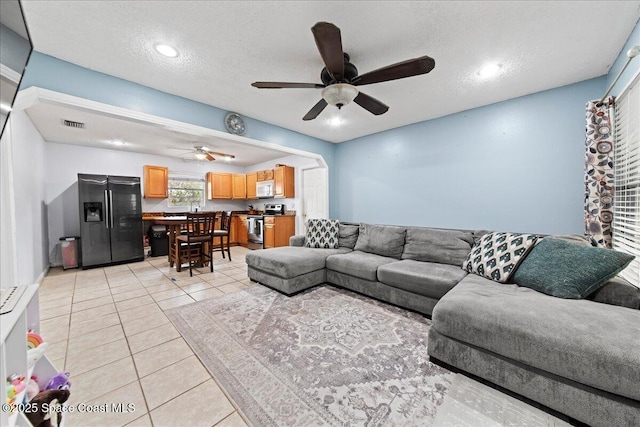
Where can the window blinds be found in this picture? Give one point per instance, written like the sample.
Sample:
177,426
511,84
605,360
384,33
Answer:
626,160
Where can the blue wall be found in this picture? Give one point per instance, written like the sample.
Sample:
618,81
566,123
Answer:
516,165
51,73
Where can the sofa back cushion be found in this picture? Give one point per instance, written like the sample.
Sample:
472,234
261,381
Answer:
385,240
440,246
348,236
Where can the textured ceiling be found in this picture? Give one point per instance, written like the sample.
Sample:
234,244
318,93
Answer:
142,137
225,46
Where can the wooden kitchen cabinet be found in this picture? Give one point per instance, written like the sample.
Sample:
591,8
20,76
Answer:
218,185
241,230
284,182
251,180
239,186
156,182
278,230
265,175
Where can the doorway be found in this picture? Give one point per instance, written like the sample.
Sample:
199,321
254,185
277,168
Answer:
315,194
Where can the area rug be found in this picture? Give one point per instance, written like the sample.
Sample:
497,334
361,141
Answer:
324,357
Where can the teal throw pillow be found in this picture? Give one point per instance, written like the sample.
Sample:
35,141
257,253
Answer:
568,270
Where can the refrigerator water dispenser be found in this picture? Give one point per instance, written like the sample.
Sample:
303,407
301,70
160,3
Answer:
93,212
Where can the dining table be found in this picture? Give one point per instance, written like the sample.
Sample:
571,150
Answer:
175,225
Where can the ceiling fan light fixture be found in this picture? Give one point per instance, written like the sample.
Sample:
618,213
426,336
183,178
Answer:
200,156
339,94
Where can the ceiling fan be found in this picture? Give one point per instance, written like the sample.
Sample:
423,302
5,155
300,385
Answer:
201,152
340,77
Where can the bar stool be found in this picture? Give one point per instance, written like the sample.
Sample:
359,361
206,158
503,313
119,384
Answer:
196,246
224,231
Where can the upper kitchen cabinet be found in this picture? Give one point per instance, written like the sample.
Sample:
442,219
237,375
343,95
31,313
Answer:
265,175
239,187
284,182
219,185
251,180
156,182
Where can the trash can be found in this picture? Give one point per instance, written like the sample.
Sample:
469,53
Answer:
69,250
158,240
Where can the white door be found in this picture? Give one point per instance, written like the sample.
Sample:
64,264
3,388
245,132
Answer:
315,194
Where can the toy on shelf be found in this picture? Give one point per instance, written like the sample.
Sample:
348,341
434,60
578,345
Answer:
59,382
33,340
35,354
32,388
47,399
15,385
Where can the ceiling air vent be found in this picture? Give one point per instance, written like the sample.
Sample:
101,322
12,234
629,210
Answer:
72,124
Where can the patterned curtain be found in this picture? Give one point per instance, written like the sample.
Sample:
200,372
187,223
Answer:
598,176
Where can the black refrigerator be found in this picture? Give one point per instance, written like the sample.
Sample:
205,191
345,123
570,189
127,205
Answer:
110,219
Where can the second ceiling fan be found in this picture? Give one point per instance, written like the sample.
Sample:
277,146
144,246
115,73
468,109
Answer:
340,77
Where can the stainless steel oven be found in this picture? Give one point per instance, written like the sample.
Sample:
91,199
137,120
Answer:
255,231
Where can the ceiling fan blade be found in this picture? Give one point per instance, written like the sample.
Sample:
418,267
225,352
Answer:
329,45
370,104
408,68
286,85
317,109
231,156
210,157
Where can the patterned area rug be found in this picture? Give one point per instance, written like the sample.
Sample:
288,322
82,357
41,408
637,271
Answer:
323,357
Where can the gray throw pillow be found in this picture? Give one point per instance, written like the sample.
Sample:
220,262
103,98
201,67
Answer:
385,240
348,236
435,245
568,270
496,256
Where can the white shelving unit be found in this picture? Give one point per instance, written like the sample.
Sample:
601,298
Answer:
13,351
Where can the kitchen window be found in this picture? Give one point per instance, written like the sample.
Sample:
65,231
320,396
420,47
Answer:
186,192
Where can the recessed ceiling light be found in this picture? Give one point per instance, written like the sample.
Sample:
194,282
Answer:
5,107
489,71
228,158
166,50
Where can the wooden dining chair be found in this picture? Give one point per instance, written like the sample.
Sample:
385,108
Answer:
224,231
196,246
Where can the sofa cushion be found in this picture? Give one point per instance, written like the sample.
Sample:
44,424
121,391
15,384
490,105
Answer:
358,264
322,233
497,255
434,245
348,235
424,278
385,240
593,344
290,261
569,270
618,291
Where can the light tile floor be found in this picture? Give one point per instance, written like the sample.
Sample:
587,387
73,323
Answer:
107,327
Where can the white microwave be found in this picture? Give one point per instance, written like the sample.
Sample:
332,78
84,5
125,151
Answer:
264,189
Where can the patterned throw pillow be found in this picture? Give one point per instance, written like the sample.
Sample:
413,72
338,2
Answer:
322,233
497,255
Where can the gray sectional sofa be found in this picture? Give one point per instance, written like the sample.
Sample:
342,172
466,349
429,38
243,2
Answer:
578,357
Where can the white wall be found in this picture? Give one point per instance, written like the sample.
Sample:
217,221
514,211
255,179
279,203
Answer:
29,197
293,204
65,162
